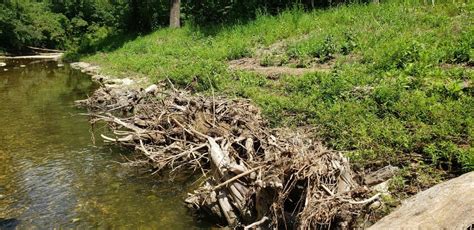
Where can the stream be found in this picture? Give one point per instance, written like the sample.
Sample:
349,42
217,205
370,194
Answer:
52,175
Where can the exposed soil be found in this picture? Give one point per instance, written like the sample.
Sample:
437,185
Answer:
272,61
253,65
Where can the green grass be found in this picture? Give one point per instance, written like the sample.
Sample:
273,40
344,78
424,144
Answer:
401,89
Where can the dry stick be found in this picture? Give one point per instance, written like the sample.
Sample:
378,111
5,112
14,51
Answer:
144,149
217,156
236,192
120,122
236,177
376,196
255,224
190,130
186,152
250,148
44,49
172,85
123,140
242,189
129,126
227,209
327,190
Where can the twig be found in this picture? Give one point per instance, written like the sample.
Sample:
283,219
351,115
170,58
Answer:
376,196
144,149
255,224
327,190
237,177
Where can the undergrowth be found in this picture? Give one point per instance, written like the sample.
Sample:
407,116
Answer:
400,90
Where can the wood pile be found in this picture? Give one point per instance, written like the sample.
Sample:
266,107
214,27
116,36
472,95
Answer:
252,176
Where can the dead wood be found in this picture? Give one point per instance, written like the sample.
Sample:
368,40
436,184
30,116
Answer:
253,176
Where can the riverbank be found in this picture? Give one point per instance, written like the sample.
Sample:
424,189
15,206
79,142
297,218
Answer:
387,84
400,94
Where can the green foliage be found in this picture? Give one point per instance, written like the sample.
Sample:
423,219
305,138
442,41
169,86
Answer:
82,26
401,85
30,23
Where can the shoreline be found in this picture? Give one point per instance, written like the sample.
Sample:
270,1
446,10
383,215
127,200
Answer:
119,93
205,148
94,71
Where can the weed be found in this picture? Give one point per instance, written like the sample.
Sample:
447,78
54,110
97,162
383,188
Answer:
396,101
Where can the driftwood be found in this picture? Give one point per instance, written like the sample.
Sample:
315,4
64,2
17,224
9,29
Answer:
45,49
48,56
253,176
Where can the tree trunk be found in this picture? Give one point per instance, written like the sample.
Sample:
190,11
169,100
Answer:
175,13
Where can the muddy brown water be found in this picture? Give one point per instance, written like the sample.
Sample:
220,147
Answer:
51,173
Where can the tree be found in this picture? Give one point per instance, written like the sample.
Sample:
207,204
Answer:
175,13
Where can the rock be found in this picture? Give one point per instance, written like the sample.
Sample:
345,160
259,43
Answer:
86,67
127,81
380,175
100,78
80,65
151,89
5,70
382,187
449,205
375,205
2,64
22,66
60,65
2,196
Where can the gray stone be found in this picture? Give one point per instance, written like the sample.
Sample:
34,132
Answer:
449,205
380,175
382,187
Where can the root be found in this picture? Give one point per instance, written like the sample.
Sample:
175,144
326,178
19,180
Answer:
253,176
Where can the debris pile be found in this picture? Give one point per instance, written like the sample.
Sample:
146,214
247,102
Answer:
252,176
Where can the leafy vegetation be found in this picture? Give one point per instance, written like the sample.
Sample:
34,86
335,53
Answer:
57,24
399,90
83,26
30,23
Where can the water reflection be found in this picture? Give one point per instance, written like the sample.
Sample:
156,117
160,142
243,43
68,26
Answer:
50,173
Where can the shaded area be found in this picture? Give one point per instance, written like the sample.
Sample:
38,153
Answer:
7,224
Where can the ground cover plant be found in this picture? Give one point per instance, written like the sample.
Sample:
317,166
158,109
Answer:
399,90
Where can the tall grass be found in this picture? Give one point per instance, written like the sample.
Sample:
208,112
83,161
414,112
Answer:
400,91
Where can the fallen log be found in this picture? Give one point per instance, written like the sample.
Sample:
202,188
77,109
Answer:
52,56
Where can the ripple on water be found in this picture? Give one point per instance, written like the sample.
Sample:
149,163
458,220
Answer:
51,176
